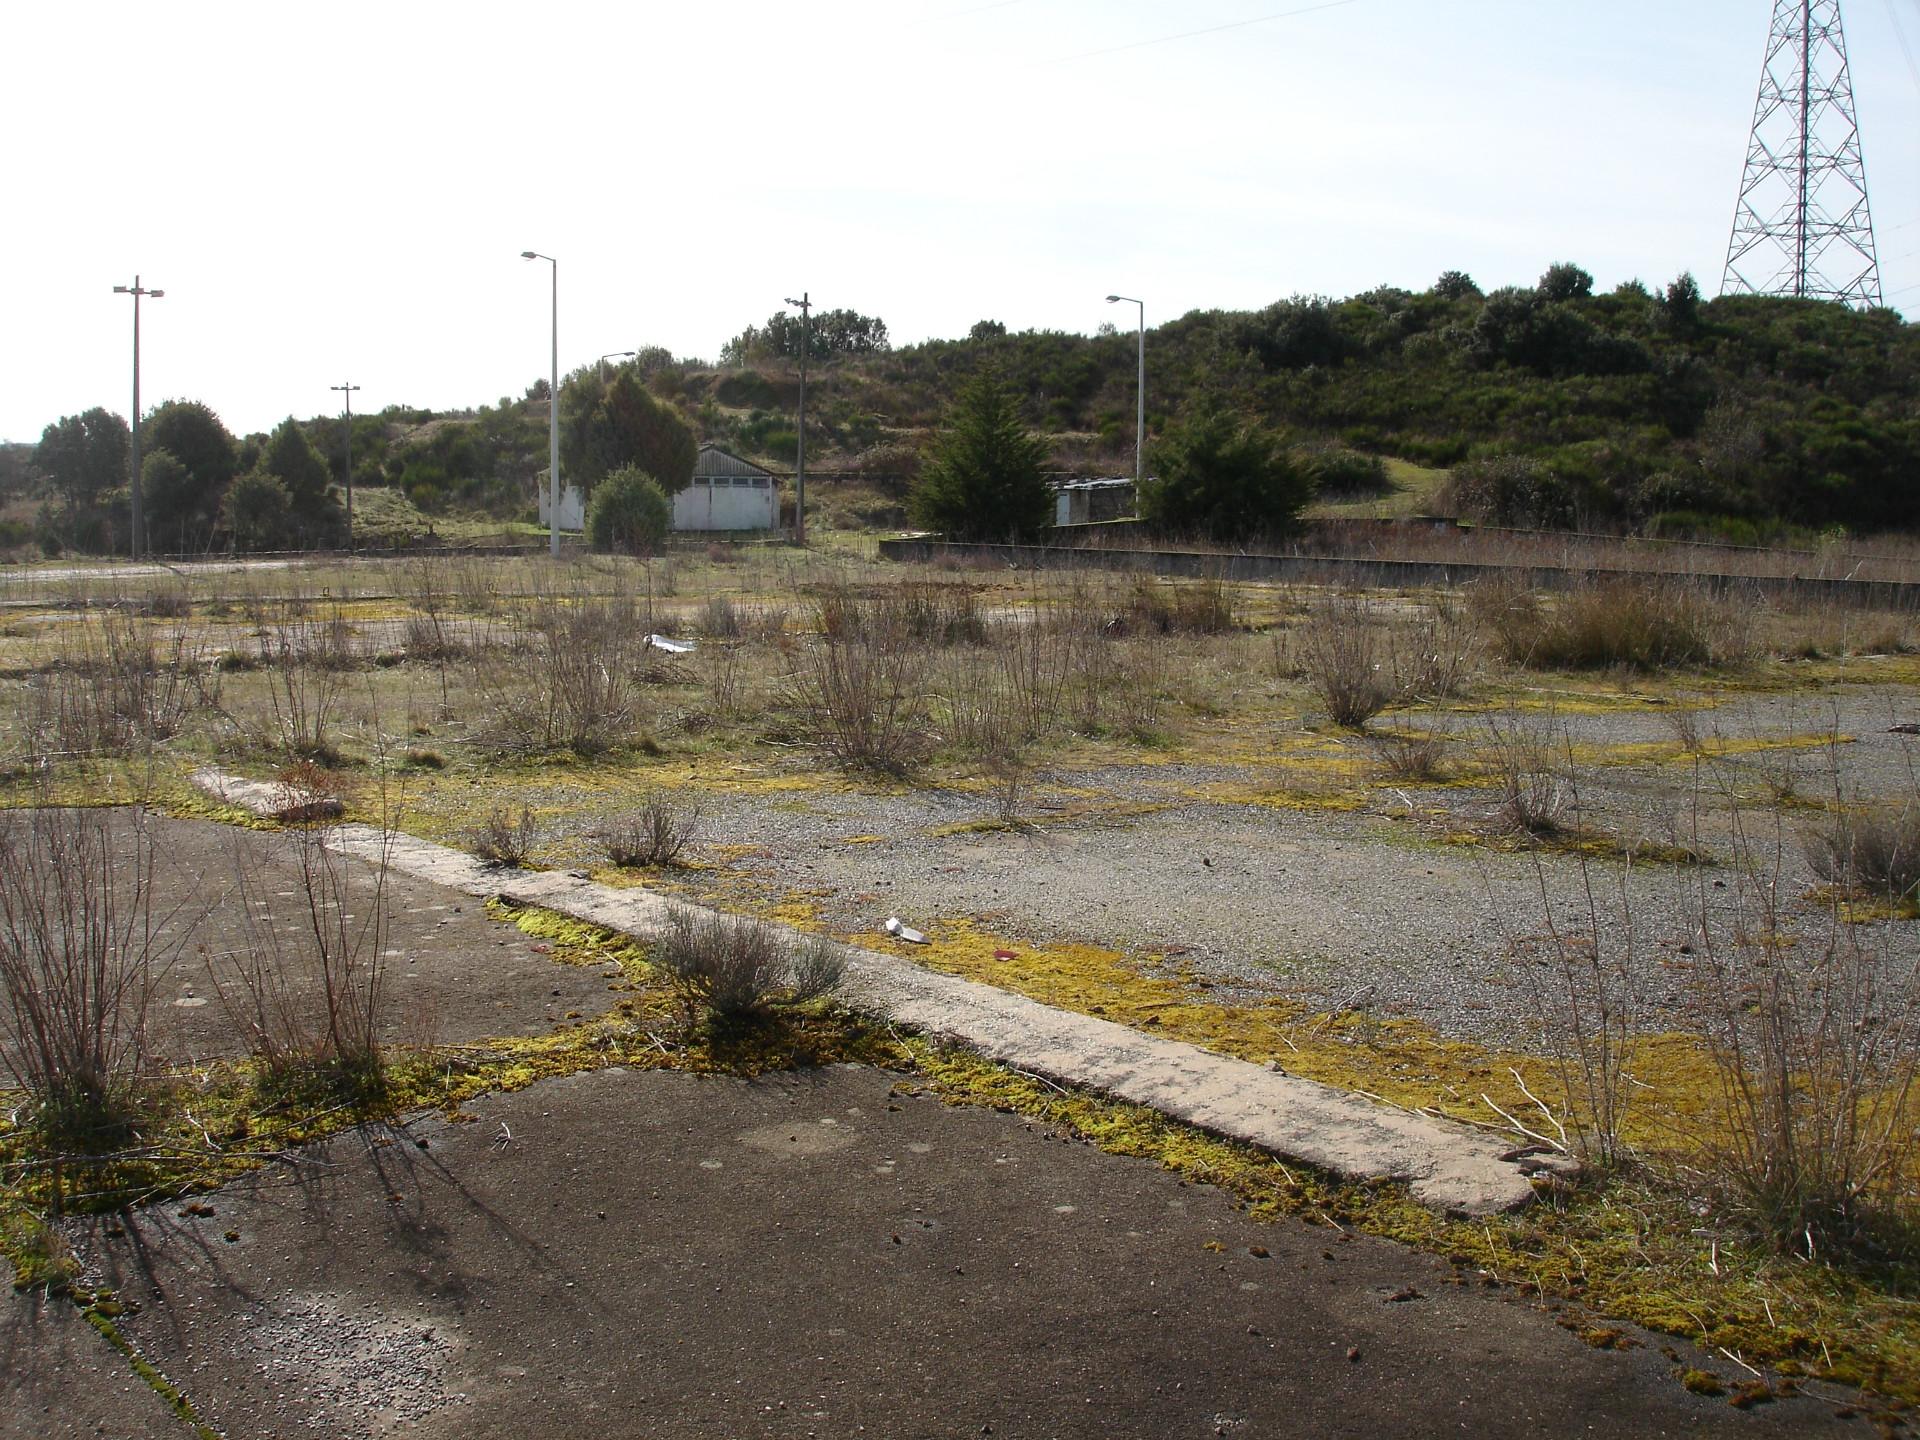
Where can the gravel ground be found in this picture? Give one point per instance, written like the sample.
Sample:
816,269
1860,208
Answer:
1334,907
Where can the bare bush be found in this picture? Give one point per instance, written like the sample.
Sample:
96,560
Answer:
724,676
861,694
80,954
574,684
655,834
307,987
733,970
1341,653
1814,1029
1410,757
1582,980
1436,654
504,837
1531,769
117,684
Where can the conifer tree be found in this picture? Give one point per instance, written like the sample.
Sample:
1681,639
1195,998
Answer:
983,478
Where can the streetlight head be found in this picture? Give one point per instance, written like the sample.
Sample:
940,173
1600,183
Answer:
528,255
121,290
792,301
155,294
1113,299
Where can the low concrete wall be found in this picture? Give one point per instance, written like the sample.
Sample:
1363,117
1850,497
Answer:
1397,574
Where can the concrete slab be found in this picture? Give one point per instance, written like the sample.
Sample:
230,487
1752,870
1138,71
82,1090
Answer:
646,1253
451,973
1447,1166
61,1380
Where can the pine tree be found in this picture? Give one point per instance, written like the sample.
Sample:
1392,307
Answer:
983,478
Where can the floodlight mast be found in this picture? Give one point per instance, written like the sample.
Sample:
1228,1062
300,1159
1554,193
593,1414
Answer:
553,414
1140,392
805,303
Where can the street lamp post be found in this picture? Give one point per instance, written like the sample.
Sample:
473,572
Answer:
139,532
629,354
805,302
347,395
1140,416
553,413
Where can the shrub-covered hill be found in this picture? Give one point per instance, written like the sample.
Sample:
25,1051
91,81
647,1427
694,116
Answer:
1612,409
1552,405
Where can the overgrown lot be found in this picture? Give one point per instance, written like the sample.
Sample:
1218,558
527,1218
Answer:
1623,872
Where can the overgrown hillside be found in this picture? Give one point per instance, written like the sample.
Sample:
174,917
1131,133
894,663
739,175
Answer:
1614,409
1550,405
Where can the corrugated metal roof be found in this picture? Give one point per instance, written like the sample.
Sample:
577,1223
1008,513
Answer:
712,460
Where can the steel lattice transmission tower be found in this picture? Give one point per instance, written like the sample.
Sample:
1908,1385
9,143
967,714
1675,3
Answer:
1803,226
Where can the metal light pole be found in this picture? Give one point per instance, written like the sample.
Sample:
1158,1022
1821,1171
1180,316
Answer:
139,531
1140,417
553,414
629,354
347,394
805,303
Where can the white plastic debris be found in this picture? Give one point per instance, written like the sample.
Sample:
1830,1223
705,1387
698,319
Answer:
901,931
672,647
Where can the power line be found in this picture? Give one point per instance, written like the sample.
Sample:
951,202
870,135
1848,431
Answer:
1208,30
1900,34
962,14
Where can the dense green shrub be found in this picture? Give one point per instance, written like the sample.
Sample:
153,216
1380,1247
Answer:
1226,479
628,512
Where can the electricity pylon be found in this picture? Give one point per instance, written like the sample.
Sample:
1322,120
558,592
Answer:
1803,226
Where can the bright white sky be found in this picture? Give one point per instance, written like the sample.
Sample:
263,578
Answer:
342,192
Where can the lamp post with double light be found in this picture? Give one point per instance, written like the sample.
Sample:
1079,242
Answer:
805,302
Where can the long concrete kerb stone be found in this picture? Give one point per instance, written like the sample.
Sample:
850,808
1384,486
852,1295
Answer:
1447,1166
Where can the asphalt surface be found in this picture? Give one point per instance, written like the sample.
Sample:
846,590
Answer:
630,1253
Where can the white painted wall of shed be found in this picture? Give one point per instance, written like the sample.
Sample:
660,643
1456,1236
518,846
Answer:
573,507
726,507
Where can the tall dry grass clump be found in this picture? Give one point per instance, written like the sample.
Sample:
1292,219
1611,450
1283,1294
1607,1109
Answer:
1870,848
81,951
1532,769
1638,624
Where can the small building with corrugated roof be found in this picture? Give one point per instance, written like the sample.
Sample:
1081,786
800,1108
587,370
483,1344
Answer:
727,493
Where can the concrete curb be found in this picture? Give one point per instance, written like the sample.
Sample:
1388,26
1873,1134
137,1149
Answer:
1449,1167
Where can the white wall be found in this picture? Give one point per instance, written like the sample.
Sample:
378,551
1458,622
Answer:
573,507
704,505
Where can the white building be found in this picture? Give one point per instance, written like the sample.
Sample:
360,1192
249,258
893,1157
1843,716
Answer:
726,493
573,506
